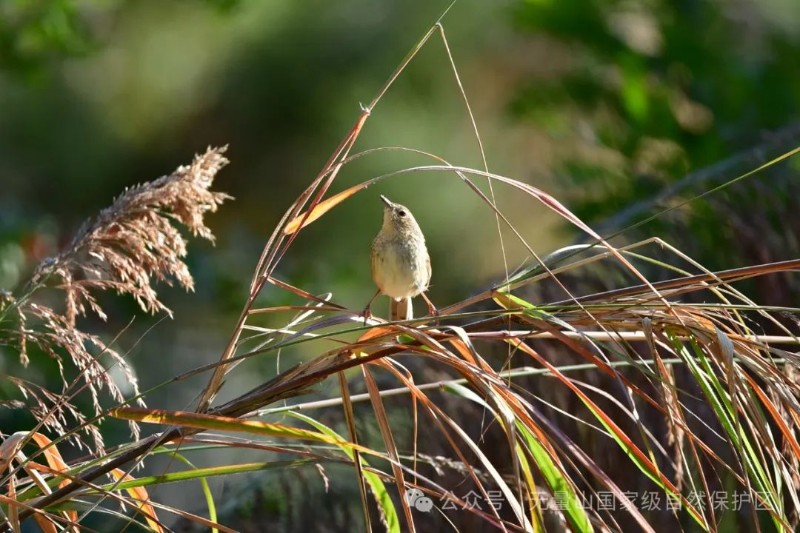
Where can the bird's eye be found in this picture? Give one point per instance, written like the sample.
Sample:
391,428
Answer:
401,213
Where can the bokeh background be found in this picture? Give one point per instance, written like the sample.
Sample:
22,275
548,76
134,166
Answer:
601,103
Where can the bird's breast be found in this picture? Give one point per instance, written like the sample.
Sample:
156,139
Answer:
400,266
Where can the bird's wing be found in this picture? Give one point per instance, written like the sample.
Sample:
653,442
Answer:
430,272
373,264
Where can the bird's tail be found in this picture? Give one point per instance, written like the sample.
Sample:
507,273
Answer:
400,309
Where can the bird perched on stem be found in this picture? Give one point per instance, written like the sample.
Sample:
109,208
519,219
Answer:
401,266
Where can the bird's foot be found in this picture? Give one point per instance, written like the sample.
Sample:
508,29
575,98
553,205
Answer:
367,315
432,311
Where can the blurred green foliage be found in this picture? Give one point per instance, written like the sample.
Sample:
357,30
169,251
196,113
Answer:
98,95
648,90
604,101
34,33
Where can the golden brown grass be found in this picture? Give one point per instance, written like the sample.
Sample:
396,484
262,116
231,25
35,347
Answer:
127,248
547,389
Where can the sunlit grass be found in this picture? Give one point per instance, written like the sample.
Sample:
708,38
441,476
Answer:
668,374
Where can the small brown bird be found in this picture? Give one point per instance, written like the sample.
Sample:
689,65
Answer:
401,266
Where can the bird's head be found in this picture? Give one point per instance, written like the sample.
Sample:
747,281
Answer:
397,218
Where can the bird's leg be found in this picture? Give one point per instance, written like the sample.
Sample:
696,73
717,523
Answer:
431,308
367,312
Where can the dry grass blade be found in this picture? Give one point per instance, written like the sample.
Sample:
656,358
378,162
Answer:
388,440
304,219
127,248
141,499
350,418
11,449
712,327
130,246
273,252
13,511
292,221
625,388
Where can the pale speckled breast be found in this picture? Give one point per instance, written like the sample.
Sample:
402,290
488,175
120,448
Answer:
400,267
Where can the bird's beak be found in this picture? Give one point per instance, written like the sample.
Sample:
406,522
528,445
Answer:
387,202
